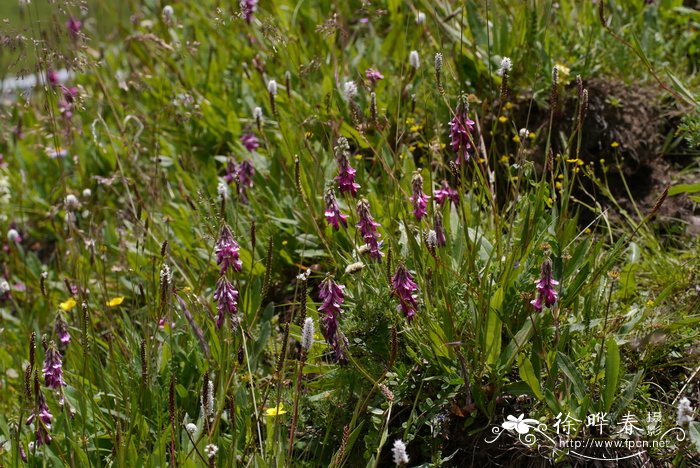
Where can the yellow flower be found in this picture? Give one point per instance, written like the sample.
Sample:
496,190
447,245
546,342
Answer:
503,119
577,161
115,301
358,157
563,70
558,185
532,135
410,120
505,159
650,302
285,242
509,105
186,289
614,144
275,411
68,304
416,128
516,139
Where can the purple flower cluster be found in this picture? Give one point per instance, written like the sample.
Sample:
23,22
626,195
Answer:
419,199
61,328
53,368
226,298
445,192
373,75
248,8
74,25
43,417
368,229
333,215
440,238
332,297
227,251
546,294
461,127
250,141
346,173
405,289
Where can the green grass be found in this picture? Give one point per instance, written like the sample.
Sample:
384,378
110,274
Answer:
160,112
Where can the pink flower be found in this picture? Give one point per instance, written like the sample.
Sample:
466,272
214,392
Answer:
446,192
333,215
74,26
226,297
405,289
373,75
227,251
42,416
545,287
419,199
248,8
346,174
53,368
250,141
61,328
461,127
368,229
332,297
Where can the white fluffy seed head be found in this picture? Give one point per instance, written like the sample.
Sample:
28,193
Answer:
257,113
12,235
222,190
307,334
191,428
685,412
354,267
168,14
399,452
350,89
71,202
420,17
524,133
210,450
272,87
87,193
414,59
506,66
4,287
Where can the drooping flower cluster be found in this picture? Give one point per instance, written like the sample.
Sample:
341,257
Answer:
226,297
242,174
419,199
61,328
546,294
42,417
461,127
445,192
332,213
227,251
248,8
406,290
346,173
332,297
368,229
53,368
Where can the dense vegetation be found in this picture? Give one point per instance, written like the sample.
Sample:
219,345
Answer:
349,233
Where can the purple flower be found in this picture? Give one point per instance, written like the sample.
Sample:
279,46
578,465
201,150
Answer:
546,294
43,417
419,199
52,77
405,290
368,229
373,75
332,297
244,174
346,174
440,238
61,328
74,26
226,298
333,215
53,368
227,251
250,141
446,192
248,8
461,127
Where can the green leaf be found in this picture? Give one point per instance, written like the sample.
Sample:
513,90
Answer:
493,328
527,373
694,433
572,374
683,188
612,372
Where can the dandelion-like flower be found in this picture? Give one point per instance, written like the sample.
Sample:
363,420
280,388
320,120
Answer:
248,8
685,412
226,297
445,192
346,173
53,368
506,66
419,199
368,229
307,334
414,59
546,294
42,416
332,297
227,251
461,127
250,141
399,452
406,290
373,75
332,213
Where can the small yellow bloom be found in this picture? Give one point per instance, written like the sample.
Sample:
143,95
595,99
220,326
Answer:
416,128
186,289
516,139
558,185
532,135
410,120
614,144
68,304
563,70
285,242
505,159
650,302
114,302
275,411
503,119
560,176
509,105
358,157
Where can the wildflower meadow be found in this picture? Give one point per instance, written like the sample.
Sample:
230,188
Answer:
363,233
